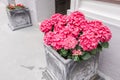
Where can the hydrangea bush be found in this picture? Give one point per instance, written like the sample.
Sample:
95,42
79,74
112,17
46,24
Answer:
75,37
16,6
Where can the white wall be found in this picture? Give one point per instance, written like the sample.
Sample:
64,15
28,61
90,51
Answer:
45,8
110,58
109,62
4,1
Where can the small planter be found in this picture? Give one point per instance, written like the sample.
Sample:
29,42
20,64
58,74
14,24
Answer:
19,18
67,69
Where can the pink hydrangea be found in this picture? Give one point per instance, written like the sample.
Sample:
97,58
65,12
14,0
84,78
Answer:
76,18
46,26
56,17
54,39
77,14
101,32
76,52
88,42
63,20
57,41
98,29
70,42
48,38
61,23
75,31
95,23
105,34
67,31
92,26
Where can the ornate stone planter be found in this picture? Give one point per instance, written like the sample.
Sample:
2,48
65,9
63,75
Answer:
19,18
61,69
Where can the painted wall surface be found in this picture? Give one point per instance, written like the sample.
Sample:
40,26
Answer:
45,8
4,1
110,58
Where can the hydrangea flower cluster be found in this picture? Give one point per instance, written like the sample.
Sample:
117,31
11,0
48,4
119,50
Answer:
15,6
75,37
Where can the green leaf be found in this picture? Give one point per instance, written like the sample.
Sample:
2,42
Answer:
99,48
93,51
69,57
76,58
78,47
105,44
86,56
63,52
83,53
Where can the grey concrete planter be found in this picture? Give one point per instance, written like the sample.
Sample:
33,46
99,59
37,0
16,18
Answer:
60,69
19,18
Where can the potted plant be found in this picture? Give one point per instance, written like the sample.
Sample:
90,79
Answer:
72,45
16,6
19,16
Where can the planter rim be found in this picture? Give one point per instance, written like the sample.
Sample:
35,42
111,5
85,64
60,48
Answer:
57,55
